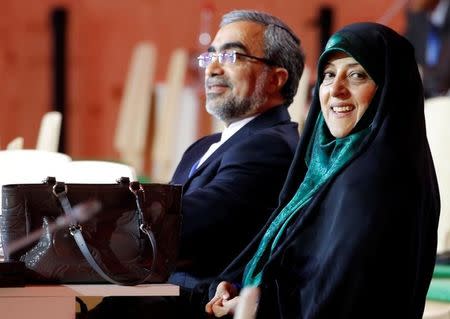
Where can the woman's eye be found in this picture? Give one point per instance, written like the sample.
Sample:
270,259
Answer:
328,76
357,75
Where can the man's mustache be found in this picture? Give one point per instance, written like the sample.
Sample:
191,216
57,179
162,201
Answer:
217,81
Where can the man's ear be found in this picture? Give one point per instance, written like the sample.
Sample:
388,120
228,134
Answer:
278,78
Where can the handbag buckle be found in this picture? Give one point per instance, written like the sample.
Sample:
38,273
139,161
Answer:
135,187
58,189
123,180
75,228
50,180
145,228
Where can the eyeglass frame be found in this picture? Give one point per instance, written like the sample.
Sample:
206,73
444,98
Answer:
220,55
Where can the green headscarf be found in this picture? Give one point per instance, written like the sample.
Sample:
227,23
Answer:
325,157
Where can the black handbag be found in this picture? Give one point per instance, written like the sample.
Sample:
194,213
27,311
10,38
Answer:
133,239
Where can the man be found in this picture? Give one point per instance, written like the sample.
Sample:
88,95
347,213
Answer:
232,180
252,70
428,29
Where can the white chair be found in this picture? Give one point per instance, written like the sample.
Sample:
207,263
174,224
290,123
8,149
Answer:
167,125
49,132
186,122
101,172
30,166
437,117
299,107
436,310
134,114
15,144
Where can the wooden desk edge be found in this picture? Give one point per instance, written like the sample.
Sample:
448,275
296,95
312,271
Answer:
91,290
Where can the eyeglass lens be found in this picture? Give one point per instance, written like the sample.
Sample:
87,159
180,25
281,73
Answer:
207,58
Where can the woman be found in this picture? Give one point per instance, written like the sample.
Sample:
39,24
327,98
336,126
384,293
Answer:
355,233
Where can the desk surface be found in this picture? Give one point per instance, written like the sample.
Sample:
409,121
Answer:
91,290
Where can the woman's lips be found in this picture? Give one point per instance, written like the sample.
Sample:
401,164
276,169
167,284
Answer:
342,109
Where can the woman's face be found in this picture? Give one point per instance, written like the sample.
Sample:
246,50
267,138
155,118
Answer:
345,93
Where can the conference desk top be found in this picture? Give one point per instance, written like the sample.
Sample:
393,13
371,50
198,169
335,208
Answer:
90,290
58,301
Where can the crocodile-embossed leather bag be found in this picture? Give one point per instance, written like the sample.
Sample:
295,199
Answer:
132,239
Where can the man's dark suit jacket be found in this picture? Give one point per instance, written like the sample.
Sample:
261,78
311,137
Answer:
230,196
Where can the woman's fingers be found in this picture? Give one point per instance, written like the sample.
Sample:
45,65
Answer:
209,305
222,293
225,307
248,303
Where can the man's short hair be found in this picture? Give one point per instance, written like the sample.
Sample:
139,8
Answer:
281,46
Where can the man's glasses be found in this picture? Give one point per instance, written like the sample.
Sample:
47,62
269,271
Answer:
229,57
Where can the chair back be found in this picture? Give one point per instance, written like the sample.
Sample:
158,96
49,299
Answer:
437,118
436,310
15,144
30,166
166,131
98,172
49,132
134,115
299,107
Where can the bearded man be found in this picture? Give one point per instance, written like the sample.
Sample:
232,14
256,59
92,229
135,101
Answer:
231,180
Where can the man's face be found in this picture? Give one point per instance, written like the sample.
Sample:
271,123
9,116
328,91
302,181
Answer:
235,91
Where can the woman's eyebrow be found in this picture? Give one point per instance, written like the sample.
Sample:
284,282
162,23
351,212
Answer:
354,64
329,64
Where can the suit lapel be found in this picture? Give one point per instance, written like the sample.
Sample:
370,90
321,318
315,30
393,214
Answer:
242,133
267,119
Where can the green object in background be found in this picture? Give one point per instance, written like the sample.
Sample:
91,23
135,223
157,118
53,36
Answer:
439,290
441,271
440,284
143,179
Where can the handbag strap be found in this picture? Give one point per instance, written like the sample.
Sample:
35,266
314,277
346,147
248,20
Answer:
60,191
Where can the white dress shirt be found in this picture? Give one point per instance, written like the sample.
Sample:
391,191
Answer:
226,134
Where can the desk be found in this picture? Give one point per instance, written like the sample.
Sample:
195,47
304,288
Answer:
58,302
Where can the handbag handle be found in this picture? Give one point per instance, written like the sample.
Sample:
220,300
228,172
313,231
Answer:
75,229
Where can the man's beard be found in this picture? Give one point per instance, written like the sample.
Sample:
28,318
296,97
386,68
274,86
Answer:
230,108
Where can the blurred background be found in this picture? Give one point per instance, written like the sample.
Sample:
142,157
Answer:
74,56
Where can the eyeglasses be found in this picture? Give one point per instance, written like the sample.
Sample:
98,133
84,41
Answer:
229,57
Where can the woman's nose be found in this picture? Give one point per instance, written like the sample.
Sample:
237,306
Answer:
339,87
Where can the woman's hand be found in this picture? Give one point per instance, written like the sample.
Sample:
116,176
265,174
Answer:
224,301
248,303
